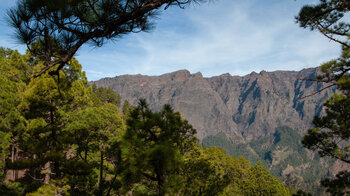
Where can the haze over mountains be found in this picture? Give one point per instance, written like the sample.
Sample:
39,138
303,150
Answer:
261,116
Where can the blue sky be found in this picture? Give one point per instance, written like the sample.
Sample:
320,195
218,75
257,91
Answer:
225,36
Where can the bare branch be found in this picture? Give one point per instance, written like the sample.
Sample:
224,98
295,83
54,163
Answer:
324,32
319,91
316,80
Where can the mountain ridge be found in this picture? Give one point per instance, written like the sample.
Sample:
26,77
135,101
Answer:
239,102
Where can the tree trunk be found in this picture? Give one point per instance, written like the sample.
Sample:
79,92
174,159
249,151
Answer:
160,179
12,176
47,169
101,171
15,159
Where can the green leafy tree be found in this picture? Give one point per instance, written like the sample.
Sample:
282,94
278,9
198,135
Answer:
44,108
95,134
211,171
56,187
65,135
155,144
14,74
126,108
260,182
105,95
62,27
330,134
301,193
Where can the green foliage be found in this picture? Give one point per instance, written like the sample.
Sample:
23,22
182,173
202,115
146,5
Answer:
210,171
51,121
261,182
45,104
58,187
155,143
219,140
301,193
5,143
11,189
14,71
106,95
222,141
95,133
338,186
126,109
288,140
337,124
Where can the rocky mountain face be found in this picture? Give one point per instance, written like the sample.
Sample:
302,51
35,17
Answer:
244,108
254,115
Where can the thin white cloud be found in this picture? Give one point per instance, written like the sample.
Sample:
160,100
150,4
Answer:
98,74
229,37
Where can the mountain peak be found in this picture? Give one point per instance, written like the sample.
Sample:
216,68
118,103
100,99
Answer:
179,72
225,75
198,74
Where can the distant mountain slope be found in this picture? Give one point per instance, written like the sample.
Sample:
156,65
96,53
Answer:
244,108
260,116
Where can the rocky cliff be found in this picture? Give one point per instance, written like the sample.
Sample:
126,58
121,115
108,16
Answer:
244,108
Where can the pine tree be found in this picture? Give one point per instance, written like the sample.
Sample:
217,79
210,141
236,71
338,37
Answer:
155,144
14,74
43,105
95,133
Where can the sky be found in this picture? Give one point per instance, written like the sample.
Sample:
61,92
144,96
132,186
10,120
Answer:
223,36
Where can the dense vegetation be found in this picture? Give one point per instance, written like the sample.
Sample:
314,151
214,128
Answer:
67,138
